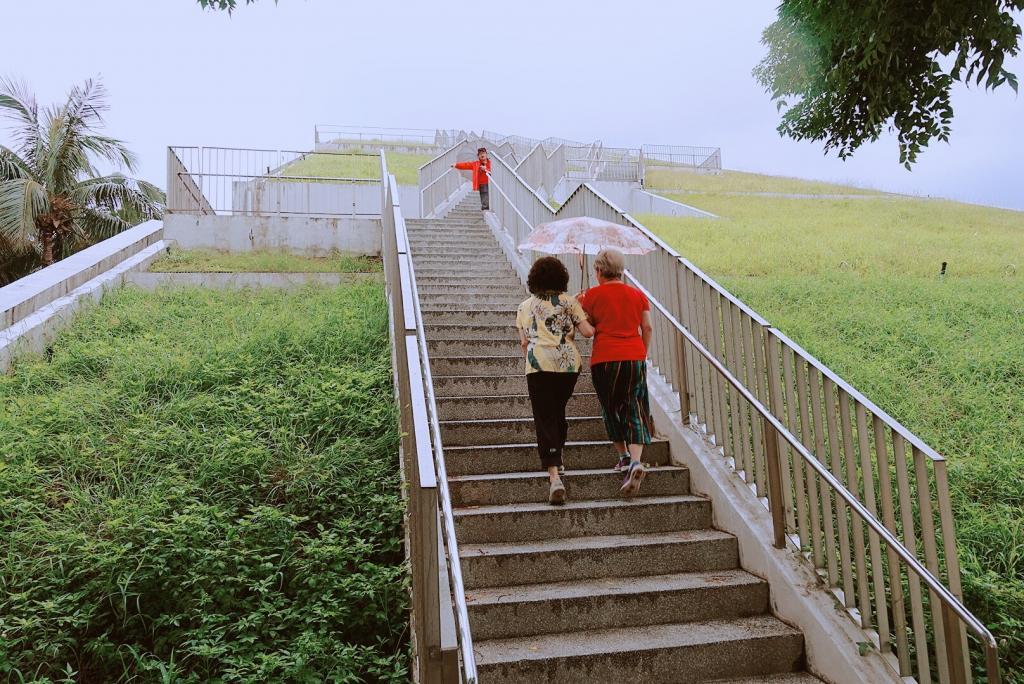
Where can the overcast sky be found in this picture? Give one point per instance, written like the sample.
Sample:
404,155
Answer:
626,73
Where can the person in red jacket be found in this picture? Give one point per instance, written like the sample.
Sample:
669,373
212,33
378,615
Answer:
480,168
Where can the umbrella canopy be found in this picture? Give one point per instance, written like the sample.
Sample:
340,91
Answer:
586,235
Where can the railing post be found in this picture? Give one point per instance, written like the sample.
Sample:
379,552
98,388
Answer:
954,652
775,501
422,522
773,461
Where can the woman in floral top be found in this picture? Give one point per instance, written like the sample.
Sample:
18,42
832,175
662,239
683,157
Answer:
547,323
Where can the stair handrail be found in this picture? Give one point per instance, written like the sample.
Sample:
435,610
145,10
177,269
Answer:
404,300
950,603
707,310
444,497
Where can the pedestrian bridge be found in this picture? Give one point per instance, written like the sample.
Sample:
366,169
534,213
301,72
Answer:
790,530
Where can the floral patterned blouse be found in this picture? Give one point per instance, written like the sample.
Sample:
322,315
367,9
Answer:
550,327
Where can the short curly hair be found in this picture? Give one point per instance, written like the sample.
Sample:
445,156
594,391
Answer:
547,275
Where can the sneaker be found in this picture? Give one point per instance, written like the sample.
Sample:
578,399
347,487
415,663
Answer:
635,475
623,463
556,494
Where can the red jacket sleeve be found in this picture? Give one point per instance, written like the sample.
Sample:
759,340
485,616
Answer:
466,166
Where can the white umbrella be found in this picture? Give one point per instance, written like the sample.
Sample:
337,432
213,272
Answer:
586,235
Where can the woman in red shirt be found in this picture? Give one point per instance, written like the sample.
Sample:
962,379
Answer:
621,317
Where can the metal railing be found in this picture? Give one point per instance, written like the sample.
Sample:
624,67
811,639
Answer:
325,133
439,182
708,159
743,384
238,181
434,551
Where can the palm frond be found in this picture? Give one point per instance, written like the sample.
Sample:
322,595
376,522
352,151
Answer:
21,201
94,225
111,149
12,166
18,104
117,193
73,142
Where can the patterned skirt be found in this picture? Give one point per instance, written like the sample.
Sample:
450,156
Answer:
621,388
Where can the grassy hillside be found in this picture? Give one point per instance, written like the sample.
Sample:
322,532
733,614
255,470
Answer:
857,283
405,167
203,486
741,181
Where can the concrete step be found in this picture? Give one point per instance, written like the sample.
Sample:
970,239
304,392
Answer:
471,301
477,316
440,269
506,364
466,332
457,253
580,485
582,403
592,604
489,385
654,654
462,222
463,290
440,238
485,347
513,458
445,228
485,264
536,521
514,431
596,557
469,282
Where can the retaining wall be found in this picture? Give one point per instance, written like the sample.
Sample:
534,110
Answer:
313,236
29,294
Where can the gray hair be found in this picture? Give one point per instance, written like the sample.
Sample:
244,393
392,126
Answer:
611,263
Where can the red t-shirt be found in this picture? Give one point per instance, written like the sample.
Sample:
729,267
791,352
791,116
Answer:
616,310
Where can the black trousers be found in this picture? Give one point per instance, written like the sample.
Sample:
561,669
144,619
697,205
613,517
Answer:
485,197
549,393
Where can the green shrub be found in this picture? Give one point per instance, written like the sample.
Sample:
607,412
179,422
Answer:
202,486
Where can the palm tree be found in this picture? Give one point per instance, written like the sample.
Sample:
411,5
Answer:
53,200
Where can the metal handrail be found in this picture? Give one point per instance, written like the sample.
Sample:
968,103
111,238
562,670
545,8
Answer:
948,611
328,179
497,186
444,498
440,473
431,183
948,599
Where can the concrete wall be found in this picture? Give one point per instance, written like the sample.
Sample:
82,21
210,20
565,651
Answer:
409,198
29,294
35,330
314,236
231,281
270,196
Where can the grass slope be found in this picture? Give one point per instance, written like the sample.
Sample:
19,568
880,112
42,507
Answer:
405,167
856,283
741,181
202,486
212,261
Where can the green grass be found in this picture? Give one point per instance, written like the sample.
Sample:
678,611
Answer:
212,261
202,486
856,283
405,167
664,178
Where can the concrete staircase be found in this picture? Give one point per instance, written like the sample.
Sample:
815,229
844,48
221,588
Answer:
602,589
